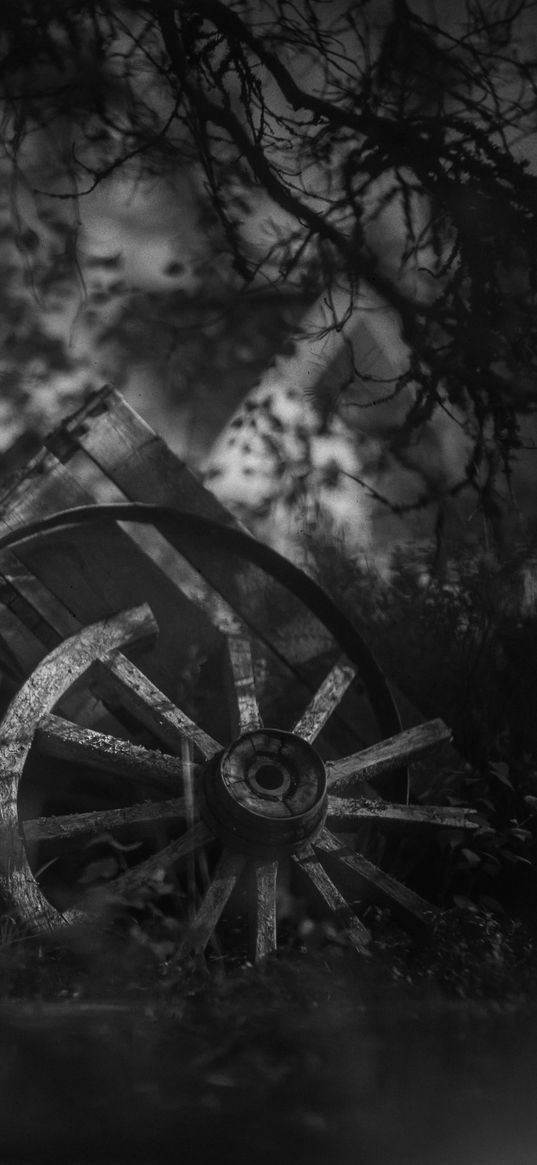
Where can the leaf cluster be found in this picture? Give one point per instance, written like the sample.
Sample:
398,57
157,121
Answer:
335,121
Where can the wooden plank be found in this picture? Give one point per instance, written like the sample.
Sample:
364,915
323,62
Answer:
43,624
52,621
42,487
89,573
141,465
130,454
376,885
245,710
325,701
153,769
118,676
138,877
69,825
183,575
265,915
225,878
358,934
19,647
98,570
390,754
45,487
41,692
349,813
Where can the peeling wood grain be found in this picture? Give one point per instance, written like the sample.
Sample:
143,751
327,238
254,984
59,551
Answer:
223,883
349,813
386,756
245,711
310,865
149,767
265,914
69,825
374,884
45,687
325,701
118,676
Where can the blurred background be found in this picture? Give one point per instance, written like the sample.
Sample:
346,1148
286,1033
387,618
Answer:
300,239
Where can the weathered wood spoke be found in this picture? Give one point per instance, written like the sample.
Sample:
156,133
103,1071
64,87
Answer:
412,909
118,675
265,922
246,714
69,825
265,776
61,738
311,867
136,878
225,877
325,701
383,758
63,667
349,813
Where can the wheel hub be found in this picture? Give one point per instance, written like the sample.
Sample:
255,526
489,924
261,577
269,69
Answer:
266,794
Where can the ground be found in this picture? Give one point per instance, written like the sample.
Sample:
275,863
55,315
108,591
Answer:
423,1053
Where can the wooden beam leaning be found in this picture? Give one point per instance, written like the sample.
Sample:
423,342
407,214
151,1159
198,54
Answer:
128,452
387,755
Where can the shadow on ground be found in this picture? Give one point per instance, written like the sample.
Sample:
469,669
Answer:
305,1062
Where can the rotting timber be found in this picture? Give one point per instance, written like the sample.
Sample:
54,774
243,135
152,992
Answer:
165,571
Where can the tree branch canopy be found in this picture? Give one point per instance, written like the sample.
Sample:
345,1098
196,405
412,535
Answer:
386,148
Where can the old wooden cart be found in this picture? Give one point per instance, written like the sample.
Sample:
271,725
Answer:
284,771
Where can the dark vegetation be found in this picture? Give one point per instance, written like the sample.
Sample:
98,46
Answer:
437,121
302,129
433,121
448,653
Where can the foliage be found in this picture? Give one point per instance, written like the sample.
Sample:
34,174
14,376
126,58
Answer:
329,146
454,648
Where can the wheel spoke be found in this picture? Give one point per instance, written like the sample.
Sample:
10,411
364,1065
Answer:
412,909
47,685
350,812
224,880
309,863
186,757
137,877
184,576
386,756
325,701
70,825
265,922
62,739
246,713
152,708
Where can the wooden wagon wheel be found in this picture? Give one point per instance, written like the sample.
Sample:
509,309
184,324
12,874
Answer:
263,797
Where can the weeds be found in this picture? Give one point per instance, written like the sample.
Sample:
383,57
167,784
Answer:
461,646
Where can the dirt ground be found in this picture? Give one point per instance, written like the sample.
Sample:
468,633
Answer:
424,1053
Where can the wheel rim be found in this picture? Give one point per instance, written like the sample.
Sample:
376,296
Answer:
253,839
